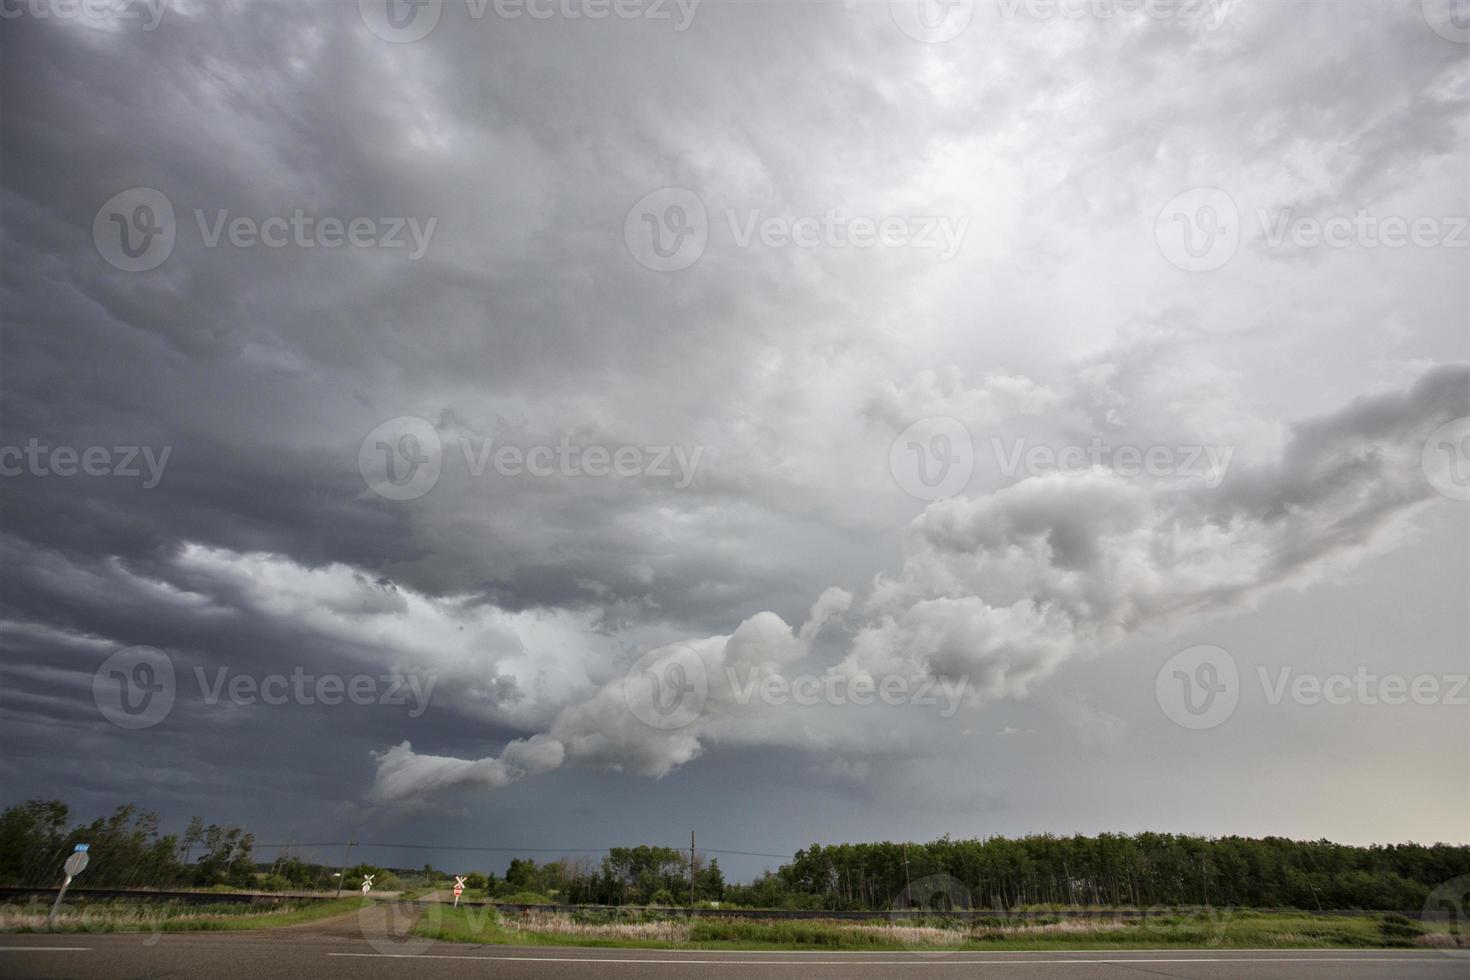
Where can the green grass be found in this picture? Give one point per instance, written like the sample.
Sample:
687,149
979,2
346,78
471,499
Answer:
1182,931
168,917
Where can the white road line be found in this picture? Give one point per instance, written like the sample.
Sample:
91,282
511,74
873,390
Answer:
44,949
928,960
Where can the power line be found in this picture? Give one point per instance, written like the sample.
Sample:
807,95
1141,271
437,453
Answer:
507,850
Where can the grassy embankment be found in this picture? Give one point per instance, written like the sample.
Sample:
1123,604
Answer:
122,916
1211,930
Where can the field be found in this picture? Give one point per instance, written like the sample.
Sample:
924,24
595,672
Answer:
120,916
1223,930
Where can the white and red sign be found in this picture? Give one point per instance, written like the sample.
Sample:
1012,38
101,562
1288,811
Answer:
458,887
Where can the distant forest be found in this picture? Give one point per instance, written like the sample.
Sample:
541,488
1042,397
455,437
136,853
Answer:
129,850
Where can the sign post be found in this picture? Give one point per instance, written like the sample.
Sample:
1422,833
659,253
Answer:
458,888
73,867
367,883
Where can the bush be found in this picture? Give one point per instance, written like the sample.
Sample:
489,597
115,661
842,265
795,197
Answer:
524,898
1399,930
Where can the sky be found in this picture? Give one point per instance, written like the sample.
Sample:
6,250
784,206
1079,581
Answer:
560,425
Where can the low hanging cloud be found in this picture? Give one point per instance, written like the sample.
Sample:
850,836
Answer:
604,730
999,591
1005,588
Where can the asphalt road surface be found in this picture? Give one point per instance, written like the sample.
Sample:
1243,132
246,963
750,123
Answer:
365,949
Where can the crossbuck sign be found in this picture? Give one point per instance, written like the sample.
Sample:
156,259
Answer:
367,884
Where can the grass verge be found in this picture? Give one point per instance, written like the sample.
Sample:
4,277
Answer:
1236,930
167,917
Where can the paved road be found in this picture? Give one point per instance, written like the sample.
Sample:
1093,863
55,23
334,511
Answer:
295,954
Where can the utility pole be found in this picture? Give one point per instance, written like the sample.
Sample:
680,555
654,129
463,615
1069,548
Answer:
691,869
908,894
345,862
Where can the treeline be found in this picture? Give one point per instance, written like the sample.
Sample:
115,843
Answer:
127,849
1109,869
626,876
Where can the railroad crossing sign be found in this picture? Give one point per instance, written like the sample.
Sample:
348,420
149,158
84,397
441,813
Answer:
367,883
458,888
75,865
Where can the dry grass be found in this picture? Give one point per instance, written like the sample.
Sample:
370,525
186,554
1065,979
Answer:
561,924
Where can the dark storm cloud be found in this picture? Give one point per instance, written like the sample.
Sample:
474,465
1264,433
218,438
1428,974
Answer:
261,371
